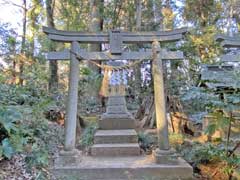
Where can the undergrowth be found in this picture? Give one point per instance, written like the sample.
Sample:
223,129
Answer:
209,153
23,128
87,136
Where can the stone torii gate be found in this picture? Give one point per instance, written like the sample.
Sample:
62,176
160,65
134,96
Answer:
164,164
116,39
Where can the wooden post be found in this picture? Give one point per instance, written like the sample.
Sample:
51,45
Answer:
159,98
71,118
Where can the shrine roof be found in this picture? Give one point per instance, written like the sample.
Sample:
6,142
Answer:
216,76
229,41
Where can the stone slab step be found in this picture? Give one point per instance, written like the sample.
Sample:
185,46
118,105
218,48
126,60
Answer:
115,136
117,109
117,100
124,149
116,123
122,168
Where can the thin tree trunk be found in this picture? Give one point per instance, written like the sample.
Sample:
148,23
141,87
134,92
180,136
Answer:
23,43
53,65
229,133
139,15
138,80
95,25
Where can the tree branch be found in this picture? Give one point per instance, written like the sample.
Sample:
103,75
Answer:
5,2
234,149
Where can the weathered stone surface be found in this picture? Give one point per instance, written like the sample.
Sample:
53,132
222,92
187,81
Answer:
117,109
115,136
116,100
118,123
165,156
122,149
159,100
116,105
116,168
68,157
117,116
71,113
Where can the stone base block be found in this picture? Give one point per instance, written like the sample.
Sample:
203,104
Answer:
119,123
123,168
165,156
115,136
68,157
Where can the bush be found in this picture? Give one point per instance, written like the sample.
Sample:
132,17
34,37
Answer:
146,141
209,153
87,137
13,136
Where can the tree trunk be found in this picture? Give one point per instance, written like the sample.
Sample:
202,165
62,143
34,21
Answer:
53,65
23,43
137,72
157,15
95,25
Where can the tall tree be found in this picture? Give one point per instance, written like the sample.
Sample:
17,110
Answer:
35,12
204,15
53,65
168,15
72,15
234,11
20,60
138,80
95,25
23,44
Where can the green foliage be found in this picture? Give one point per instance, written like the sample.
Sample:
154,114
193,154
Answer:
201,46
203,153
73,14
23,128
201,12
176,139
88,135
12,133
6,148
8,117
220,104
146,141
198,99
209,153
38,156
90,82
7,40
209,100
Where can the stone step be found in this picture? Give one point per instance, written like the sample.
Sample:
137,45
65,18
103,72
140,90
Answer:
116,123
117,100
124,149
122,168
117,109
115,136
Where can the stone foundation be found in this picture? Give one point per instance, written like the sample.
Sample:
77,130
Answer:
123,168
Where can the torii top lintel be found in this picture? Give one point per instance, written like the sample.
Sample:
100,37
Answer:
115,38
127,37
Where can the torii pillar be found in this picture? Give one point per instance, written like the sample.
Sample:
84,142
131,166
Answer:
70,153
163,155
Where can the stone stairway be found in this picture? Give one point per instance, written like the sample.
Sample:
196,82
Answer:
115,154
116,135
